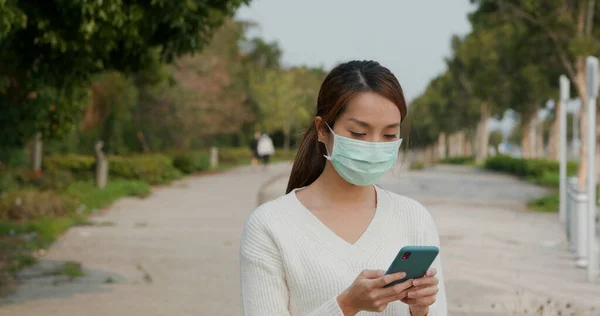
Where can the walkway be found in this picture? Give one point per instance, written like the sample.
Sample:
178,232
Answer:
174,253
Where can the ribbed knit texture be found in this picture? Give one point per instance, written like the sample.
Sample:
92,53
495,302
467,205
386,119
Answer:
292,264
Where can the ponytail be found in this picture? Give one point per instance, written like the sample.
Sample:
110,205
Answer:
309,162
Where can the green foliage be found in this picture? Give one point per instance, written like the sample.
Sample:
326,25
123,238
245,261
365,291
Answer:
541,171
94,198
417,165
459,161
71,269
26,205
547,203
154,169
82,167
191,162
50,50
496,138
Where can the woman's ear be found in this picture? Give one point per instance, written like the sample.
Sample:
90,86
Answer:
322,130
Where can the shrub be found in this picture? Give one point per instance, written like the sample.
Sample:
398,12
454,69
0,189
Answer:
191,162
417,165
234,155
25,205
466,160
154,169
82,167
527,168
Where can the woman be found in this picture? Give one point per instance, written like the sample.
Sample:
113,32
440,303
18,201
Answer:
322,248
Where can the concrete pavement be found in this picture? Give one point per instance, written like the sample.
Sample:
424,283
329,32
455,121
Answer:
174,253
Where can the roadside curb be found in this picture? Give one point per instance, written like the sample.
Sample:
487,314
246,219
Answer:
261,196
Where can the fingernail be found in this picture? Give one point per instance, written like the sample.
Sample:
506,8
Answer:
402,274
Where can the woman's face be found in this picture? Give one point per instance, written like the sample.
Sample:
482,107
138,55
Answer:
367,117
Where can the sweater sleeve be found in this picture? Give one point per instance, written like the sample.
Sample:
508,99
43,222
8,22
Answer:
440,307
263,281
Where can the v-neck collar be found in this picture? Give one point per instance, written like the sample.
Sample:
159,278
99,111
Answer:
366,245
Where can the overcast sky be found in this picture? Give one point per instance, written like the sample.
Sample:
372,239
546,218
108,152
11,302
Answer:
411,37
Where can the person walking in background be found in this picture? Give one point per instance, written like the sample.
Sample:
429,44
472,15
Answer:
319,250
254,148
265,148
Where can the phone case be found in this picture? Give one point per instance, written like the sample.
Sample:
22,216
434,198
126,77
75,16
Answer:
415,264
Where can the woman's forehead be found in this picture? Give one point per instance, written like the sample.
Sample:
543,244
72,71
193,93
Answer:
372,108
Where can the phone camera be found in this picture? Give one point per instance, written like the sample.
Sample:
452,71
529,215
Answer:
406,255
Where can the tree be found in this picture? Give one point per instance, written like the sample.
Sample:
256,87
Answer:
49,50
569,28
496,138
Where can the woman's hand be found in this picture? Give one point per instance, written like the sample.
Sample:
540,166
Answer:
422,294
368,294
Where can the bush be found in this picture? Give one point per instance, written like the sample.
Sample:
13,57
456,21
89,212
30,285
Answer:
536,170
234,155
82,167
26,205
191,162
154,169
92,197
417,165
51,179
467,160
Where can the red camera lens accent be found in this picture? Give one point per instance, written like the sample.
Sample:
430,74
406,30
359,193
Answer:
406,255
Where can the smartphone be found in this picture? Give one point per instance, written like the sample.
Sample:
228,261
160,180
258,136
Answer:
414,261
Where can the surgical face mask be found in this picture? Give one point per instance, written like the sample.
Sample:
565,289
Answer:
359,162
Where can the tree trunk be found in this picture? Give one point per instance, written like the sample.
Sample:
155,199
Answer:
483,136
142,138
539,139
553,140
441,146
527,146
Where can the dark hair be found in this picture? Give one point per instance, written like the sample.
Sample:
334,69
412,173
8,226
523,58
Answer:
343,83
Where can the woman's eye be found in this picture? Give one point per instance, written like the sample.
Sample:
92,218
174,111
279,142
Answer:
391,136
357,134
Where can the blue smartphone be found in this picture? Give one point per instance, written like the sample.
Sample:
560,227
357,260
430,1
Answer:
414,261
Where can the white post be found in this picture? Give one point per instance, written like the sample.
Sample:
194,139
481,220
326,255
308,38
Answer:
564,97
592,89
214,157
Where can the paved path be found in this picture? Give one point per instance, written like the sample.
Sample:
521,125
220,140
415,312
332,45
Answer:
499,258
174,253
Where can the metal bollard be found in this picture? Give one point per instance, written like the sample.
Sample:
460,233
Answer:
571,211
581,240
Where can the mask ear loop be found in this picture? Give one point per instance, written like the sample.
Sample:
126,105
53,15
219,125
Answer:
328,156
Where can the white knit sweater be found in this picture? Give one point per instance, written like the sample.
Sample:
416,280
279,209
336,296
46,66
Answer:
292,264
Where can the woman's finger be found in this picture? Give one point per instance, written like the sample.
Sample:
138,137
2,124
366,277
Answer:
387,279
396,296
372,274
426,281
424,292
431,272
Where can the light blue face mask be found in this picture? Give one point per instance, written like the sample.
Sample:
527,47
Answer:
362,163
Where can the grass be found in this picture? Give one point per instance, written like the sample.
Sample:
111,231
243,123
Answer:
417,165
546,204
94,198
72,270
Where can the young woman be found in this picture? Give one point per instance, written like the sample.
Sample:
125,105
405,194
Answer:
322,248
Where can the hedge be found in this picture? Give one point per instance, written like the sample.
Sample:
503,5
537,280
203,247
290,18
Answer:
527,168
